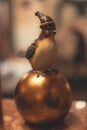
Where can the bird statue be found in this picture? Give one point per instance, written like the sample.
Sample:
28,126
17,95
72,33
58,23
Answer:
43,95
42,53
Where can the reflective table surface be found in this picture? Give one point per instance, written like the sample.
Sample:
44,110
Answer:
75,120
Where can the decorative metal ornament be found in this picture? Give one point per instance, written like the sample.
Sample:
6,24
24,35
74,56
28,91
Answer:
43,95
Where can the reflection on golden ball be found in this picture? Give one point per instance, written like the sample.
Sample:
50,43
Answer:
43,97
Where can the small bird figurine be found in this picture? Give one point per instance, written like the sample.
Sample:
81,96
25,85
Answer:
43,95
42,52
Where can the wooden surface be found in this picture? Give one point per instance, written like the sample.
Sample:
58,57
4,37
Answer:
75,120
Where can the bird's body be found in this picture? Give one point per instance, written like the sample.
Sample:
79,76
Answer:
43,51
45,54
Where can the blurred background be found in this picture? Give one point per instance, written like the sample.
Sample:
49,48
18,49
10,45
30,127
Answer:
19,27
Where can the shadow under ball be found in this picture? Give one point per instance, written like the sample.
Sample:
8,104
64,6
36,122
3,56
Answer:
43,97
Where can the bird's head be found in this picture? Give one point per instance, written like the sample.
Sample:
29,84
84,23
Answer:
47,23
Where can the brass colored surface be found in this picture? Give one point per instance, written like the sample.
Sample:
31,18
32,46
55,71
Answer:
43,97
42,53
45,54
76,118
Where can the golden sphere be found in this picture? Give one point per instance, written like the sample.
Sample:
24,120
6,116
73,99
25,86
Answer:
43,97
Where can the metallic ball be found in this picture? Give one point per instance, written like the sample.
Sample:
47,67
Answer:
43,97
